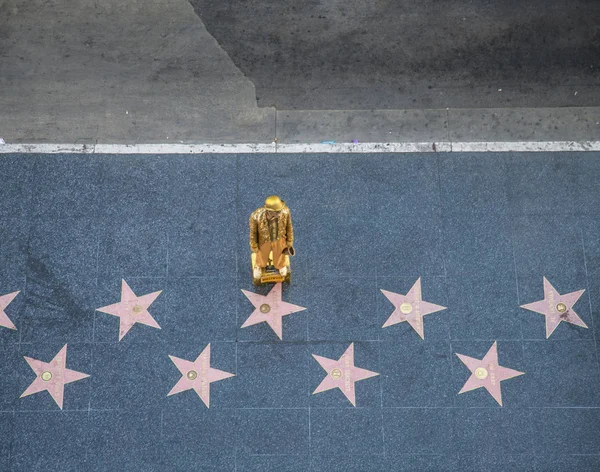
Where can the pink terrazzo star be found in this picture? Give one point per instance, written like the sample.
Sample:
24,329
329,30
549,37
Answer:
197,375
411,308
487,373
270,309
132,309
342,374
556,308
52,376
4,302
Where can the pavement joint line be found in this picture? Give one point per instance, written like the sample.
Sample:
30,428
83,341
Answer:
304,148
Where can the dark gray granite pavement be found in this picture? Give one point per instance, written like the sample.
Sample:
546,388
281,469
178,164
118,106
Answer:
481,230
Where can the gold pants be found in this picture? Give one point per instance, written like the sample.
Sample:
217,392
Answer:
262,256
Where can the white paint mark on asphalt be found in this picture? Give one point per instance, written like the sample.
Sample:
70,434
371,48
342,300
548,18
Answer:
338,148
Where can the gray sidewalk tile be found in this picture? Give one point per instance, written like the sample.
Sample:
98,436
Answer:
497,462
6,435
342,308
567,463
544,183
271,375
474,183
15,192
288,463
36,435
119,438
10,368
335,462
416,431
269,432
346,431
57,309
14,234
133,248
405,245
561,373
507,431
416,373
549,245
201,186
580,425
478,244
403,184
200,310
214,437
484,306
131,376
133,187
66,186
58,248
203,247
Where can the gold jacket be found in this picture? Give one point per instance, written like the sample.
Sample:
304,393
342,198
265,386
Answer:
259,227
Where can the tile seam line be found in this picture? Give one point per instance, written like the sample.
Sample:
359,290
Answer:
306,148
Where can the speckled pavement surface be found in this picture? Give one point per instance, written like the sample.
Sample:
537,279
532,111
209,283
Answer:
481,230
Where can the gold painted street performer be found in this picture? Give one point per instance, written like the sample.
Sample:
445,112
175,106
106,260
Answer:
271,232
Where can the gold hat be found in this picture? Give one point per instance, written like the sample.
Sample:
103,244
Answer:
274,203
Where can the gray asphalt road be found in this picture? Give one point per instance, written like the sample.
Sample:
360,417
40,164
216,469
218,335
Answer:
412,54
